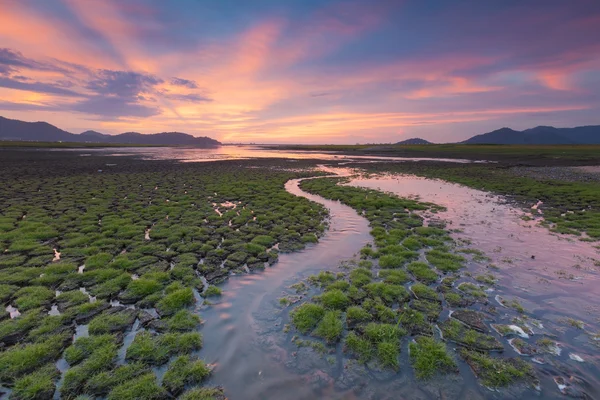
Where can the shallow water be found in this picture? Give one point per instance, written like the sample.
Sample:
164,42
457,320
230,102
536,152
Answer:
232,331
241,152
553,276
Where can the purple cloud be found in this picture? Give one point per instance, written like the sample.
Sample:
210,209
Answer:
184,82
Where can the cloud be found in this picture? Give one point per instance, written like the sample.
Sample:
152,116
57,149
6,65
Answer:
184,82
191,97
37,87
125,84
12,61
114,107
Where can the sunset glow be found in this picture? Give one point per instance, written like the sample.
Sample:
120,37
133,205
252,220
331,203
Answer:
301,71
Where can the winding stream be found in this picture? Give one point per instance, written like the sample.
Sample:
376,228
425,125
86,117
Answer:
233,339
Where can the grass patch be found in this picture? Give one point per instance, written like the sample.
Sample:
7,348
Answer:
330,327
498,372
422,272
306,316
429,357
183,371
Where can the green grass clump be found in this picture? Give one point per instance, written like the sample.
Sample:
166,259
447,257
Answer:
203,393
323,278
360,277
98,261
32,297
111,322
264,240
83,347
454,299
143,387
334,300
472,290
357,314
6,292
174,301
184,370
424,292
486,278
15,327
212,291
156,349
143,287
394,276
360,346
498,372
387,354
422,272
387,292
306,316
429,356
49,325
459,333
102,359
37,385
25,358
71,298
445,261
412,243
378,333
103,382
182,321
330,327
338,285
392,261
414,321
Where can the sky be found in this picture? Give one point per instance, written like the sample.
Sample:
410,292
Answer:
301,71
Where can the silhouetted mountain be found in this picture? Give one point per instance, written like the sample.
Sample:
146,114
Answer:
12,129
540,135
92,135
414,141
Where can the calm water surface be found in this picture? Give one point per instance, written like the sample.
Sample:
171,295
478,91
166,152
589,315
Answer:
233,152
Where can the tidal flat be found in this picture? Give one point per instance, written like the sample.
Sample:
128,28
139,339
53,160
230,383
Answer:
126,278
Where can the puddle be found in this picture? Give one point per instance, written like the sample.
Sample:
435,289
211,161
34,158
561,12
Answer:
12,311
84,291
127,340
56,255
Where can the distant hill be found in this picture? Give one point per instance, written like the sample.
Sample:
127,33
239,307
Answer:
12,129
414,141
540,135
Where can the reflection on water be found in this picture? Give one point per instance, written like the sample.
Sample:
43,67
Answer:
235,153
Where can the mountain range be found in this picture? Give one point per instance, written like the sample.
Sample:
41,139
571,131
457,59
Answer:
540,135
12,129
